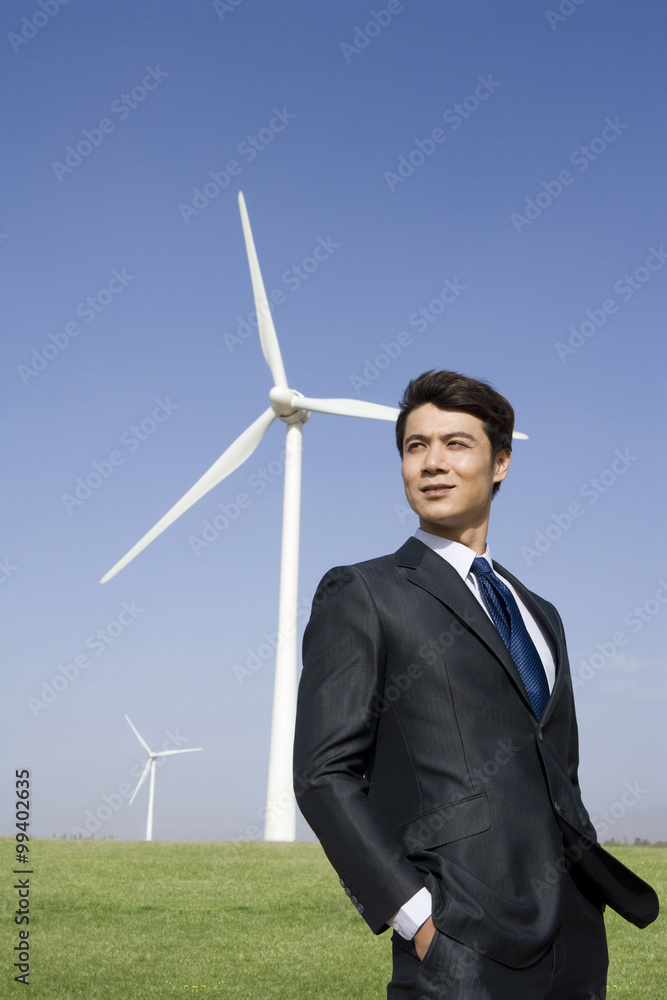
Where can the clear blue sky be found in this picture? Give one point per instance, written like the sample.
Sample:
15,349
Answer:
517,154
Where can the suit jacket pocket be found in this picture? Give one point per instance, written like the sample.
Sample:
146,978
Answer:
445,824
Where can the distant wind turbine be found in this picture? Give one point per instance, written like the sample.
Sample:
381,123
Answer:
293,409
150,765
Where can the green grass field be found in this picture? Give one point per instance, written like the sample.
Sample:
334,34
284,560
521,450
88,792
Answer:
247,921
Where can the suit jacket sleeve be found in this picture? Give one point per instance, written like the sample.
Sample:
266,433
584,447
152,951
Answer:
343,677
573,751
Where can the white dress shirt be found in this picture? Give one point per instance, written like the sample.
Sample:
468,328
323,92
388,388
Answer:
418,909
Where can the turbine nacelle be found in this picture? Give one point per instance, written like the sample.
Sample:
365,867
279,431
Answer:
283,402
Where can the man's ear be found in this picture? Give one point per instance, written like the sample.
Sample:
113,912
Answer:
501,465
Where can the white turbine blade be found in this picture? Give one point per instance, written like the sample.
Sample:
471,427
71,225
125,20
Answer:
235,455
141,780
360,408
348,408
165,753
142,741
267,331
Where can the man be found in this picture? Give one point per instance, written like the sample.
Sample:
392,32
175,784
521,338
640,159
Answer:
436,747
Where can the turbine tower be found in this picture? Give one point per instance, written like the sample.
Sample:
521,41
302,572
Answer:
290,406
150,765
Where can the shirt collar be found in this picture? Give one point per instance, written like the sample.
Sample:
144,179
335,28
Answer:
459,556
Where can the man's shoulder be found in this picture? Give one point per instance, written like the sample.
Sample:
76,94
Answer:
376,572
367,569
409,554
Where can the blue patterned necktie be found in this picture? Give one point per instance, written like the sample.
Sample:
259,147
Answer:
507,618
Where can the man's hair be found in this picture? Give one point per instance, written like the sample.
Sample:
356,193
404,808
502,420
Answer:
453,391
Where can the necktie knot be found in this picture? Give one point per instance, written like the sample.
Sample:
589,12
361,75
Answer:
480,566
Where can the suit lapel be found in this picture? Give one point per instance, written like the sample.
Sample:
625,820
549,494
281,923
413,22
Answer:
549,622
428,570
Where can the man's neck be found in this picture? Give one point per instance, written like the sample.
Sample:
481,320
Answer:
473,537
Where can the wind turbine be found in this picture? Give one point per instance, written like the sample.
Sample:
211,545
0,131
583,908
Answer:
150,765
293,409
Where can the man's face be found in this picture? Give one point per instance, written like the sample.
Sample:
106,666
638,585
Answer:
448,472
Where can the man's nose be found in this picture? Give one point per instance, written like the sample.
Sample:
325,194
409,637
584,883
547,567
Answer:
435,460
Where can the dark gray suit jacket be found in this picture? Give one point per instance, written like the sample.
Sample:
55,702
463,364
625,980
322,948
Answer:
418,760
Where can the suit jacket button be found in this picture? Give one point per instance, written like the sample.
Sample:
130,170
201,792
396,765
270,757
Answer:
360,908
540,735
556,808
348,892
342,883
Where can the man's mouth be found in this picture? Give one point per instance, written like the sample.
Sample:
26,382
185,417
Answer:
436,490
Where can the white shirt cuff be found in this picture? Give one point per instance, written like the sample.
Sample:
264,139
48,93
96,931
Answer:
412,914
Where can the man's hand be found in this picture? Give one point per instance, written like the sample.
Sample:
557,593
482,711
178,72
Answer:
423,937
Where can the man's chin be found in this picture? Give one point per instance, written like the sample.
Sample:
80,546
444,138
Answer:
443,527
